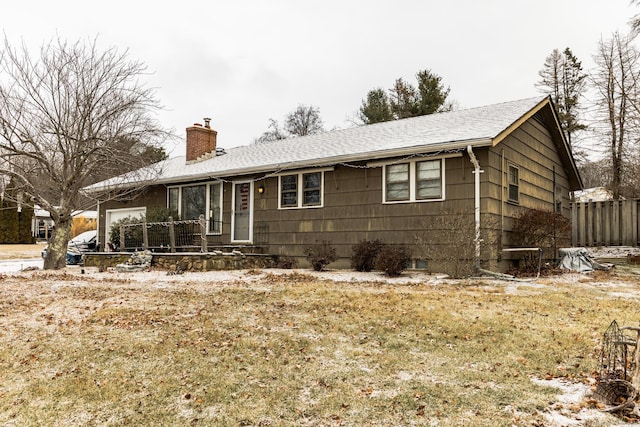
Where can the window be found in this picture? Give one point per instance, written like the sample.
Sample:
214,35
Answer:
513,184
191,201
289,191
397,182
414,181
428,181
174,199
215,208
301,190
311,186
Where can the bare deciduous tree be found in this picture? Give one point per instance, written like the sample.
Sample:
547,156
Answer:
616,81
304,121
65,117
300,122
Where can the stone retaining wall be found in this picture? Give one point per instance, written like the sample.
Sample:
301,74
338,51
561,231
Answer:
185,261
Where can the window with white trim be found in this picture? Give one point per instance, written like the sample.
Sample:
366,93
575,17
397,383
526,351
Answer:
191,201
513,184
301,190
415,181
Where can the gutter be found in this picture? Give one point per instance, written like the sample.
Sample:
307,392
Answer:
476,172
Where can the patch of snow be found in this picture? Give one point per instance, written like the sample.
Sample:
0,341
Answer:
15,265
613,251
563,413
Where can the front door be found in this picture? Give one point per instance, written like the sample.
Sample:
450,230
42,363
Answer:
242,215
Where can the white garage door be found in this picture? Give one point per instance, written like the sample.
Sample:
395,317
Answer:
113,215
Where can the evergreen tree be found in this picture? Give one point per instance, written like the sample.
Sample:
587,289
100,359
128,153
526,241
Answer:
565,81
376,108
432,95
404,100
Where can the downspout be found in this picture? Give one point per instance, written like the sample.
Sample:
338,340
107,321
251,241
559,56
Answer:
476,171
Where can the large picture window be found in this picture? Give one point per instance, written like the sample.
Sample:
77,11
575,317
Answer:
414,181
301,190
191,201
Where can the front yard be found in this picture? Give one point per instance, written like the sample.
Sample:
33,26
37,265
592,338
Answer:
280,348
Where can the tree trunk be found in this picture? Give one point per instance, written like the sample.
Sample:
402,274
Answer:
57,252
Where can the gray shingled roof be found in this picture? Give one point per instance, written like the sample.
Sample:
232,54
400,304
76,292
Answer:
434,132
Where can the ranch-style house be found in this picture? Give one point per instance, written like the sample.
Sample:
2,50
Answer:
445,185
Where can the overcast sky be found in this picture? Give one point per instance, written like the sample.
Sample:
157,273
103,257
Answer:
243,62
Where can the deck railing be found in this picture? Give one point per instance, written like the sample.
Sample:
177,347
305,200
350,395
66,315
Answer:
167,236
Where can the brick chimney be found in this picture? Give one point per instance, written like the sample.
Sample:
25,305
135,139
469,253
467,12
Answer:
201,140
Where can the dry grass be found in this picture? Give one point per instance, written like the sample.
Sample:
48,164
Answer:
270,350
20,251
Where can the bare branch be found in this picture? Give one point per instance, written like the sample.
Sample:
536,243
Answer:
73,116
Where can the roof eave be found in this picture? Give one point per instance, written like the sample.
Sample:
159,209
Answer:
311,163
329,161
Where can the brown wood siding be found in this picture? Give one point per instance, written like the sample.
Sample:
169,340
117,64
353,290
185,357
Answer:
533,151
353,210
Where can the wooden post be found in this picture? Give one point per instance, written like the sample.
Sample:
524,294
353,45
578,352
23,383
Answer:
574,223
615,223
122,242
606,221
203,233
145,234
627,222
172,235
582,228
589,223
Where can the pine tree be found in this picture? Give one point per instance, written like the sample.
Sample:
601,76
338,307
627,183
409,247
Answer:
565,81
376,108
405,100
432,95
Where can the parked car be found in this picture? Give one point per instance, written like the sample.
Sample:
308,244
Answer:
83,242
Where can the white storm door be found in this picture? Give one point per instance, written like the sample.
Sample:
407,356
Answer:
242,213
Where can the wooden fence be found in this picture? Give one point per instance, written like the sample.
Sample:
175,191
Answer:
608,223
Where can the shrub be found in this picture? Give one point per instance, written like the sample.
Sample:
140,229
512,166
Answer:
393,260
287,262
541,229
320,254
364,254
132,235
82,224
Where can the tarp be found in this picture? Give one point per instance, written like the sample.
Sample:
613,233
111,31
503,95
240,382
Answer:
578,259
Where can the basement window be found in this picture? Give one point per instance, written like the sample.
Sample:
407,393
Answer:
513,180
415,181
